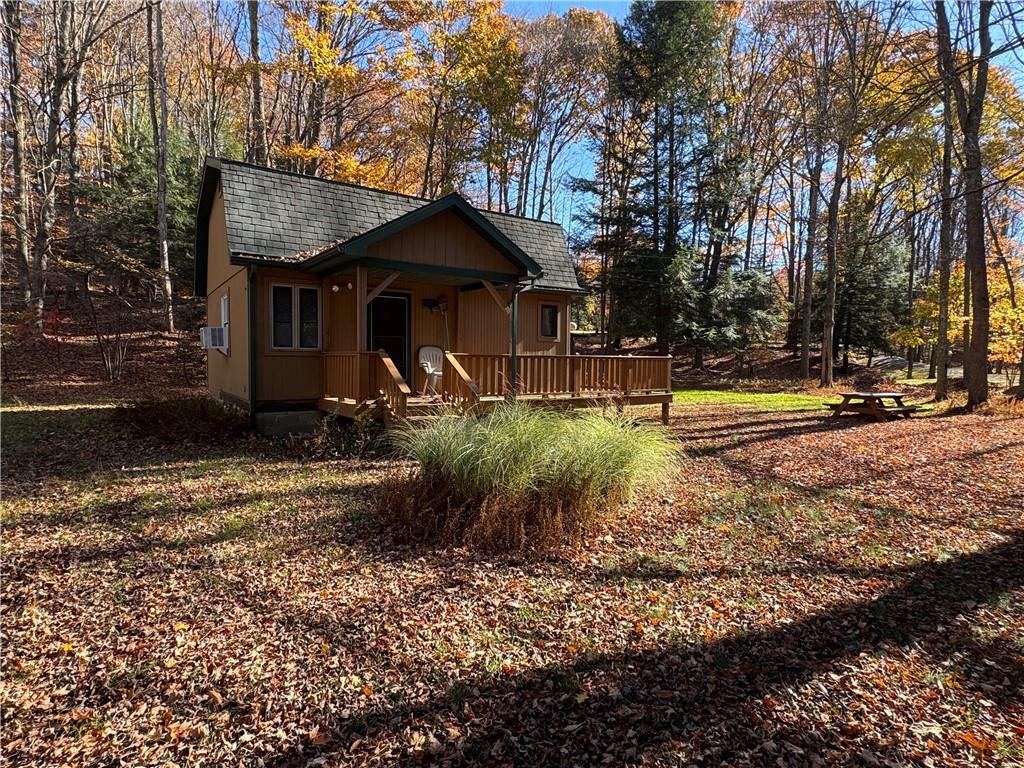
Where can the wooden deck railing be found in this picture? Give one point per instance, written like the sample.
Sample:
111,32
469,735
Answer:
466,379
575,375
341,374
351,375
363,376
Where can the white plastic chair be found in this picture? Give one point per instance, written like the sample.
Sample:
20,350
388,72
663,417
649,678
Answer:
431,360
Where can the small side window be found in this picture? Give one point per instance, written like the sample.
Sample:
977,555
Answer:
225,321
549,321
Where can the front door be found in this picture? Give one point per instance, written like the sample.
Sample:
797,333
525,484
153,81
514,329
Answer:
388,328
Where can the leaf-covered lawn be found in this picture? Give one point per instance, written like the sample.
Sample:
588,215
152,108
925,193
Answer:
804,592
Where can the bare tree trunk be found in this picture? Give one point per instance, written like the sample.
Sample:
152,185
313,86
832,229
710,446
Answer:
426,189
753,198
546,180
945,247
970,105
12,27
50,162
976,353
792,289
158,92
812,227
910,277
832,268
260,151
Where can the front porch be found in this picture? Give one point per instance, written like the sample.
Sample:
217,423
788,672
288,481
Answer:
354,382
443,281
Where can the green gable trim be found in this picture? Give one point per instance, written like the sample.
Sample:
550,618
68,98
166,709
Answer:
433,269
410,267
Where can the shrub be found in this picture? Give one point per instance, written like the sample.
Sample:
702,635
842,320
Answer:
519,477
189,419
338,437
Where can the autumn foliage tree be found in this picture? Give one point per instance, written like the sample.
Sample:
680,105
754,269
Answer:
856,152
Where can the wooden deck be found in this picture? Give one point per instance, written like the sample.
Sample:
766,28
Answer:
357,381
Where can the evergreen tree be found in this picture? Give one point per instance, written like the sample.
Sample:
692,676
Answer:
118,231
870,283
657,81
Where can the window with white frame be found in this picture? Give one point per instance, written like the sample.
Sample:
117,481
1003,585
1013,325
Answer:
294,317
225,322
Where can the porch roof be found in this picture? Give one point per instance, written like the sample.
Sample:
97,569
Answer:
290,219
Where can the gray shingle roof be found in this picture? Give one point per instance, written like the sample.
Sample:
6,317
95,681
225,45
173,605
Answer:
274,214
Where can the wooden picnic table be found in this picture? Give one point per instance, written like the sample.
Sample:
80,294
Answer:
873,404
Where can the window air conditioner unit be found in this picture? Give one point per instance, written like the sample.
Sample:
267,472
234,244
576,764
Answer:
212,338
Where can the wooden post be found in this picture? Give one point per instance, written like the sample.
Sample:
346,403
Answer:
360,309
250,297
513,362
363,367
668,388
325,312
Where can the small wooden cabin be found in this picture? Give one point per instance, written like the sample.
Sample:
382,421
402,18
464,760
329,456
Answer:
327,293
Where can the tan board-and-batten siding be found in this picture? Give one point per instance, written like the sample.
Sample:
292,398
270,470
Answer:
227,375
443,240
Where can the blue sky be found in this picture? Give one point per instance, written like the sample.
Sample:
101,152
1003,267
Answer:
578,159
617,9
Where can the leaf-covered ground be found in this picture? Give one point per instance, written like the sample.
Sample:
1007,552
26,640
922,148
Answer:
804,592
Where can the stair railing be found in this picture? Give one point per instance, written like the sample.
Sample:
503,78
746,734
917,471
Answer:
457,386
393,389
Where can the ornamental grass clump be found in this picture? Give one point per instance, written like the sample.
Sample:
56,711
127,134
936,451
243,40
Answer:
520,478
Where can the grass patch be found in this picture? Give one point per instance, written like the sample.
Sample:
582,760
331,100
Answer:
21,425
519,477
233,528
763,401
920,381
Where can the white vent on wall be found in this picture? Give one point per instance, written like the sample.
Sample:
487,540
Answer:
214,338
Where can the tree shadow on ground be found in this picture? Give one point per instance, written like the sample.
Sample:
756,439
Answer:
870,474
115,532
65,443
704,698
732,436
811,566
